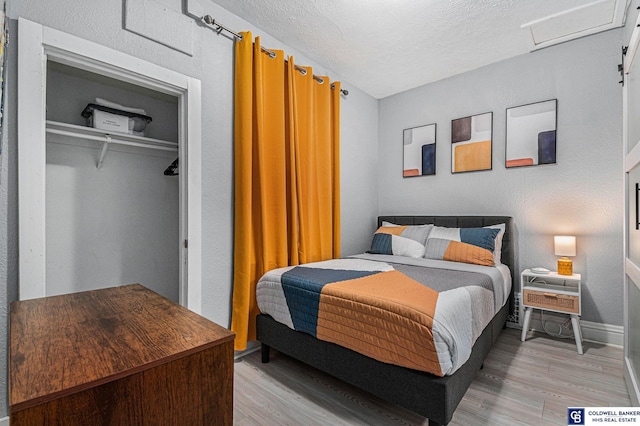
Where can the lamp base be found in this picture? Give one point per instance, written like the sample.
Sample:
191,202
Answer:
565,266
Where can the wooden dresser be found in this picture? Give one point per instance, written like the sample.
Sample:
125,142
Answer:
118,356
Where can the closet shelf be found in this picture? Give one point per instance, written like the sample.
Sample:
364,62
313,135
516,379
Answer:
89,133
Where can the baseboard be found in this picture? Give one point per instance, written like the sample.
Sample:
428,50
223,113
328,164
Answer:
4,421
252,346
591,331
603,333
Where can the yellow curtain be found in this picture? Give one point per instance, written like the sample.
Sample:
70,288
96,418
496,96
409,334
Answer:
287,177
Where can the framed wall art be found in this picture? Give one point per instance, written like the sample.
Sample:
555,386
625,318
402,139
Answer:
531,134
472,143
419,151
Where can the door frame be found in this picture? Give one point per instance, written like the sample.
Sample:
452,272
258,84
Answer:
632,270
38,44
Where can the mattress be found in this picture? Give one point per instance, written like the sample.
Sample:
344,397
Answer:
417,313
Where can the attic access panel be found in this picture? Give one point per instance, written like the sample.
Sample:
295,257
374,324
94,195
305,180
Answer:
591,18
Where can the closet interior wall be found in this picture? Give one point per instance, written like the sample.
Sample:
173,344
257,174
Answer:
117,224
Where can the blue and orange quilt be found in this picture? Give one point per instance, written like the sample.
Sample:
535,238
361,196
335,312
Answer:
417,313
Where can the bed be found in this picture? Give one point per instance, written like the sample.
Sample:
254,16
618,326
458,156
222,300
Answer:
434,395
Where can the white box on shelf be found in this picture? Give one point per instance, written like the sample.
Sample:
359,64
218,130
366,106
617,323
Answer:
115,120
106,121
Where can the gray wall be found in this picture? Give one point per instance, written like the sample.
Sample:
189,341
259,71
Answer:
212,63
581,195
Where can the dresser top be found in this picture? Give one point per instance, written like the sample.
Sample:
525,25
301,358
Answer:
60,345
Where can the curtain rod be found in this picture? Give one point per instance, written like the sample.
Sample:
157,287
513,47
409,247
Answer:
219,28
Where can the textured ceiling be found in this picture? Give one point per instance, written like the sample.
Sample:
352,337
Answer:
389,46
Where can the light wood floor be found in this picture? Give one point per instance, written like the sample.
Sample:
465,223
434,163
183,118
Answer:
522,383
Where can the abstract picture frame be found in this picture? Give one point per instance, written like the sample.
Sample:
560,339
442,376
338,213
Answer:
472,143
531,131
419,151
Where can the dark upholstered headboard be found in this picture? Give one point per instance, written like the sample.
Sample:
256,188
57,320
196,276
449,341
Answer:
508,242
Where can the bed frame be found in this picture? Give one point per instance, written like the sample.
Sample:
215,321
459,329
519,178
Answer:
426,394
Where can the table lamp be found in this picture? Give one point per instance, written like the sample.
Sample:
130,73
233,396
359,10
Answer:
565,246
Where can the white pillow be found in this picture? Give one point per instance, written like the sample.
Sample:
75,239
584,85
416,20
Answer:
385,243
418,233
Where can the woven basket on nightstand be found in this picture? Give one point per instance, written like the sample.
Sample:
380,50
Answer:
558,302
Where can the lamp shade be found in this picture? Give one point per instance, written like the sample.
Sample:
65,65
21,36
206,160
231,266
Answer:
565,245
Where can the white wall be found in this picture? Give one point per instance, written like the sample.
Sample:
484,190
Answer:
212,63
110,226
118,224
8,217
581,195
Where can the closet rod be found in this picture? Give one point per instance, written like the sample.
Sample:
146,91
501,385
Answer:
208,19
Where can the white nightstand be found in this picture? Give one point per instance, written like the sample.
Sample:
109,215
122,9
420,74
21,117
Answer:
552,292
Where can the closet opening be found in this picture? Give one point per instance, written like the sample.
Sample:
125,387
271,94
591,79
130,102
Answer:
112,216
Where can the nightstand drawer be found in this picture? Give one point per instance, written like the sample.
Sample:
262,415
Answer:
547,300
